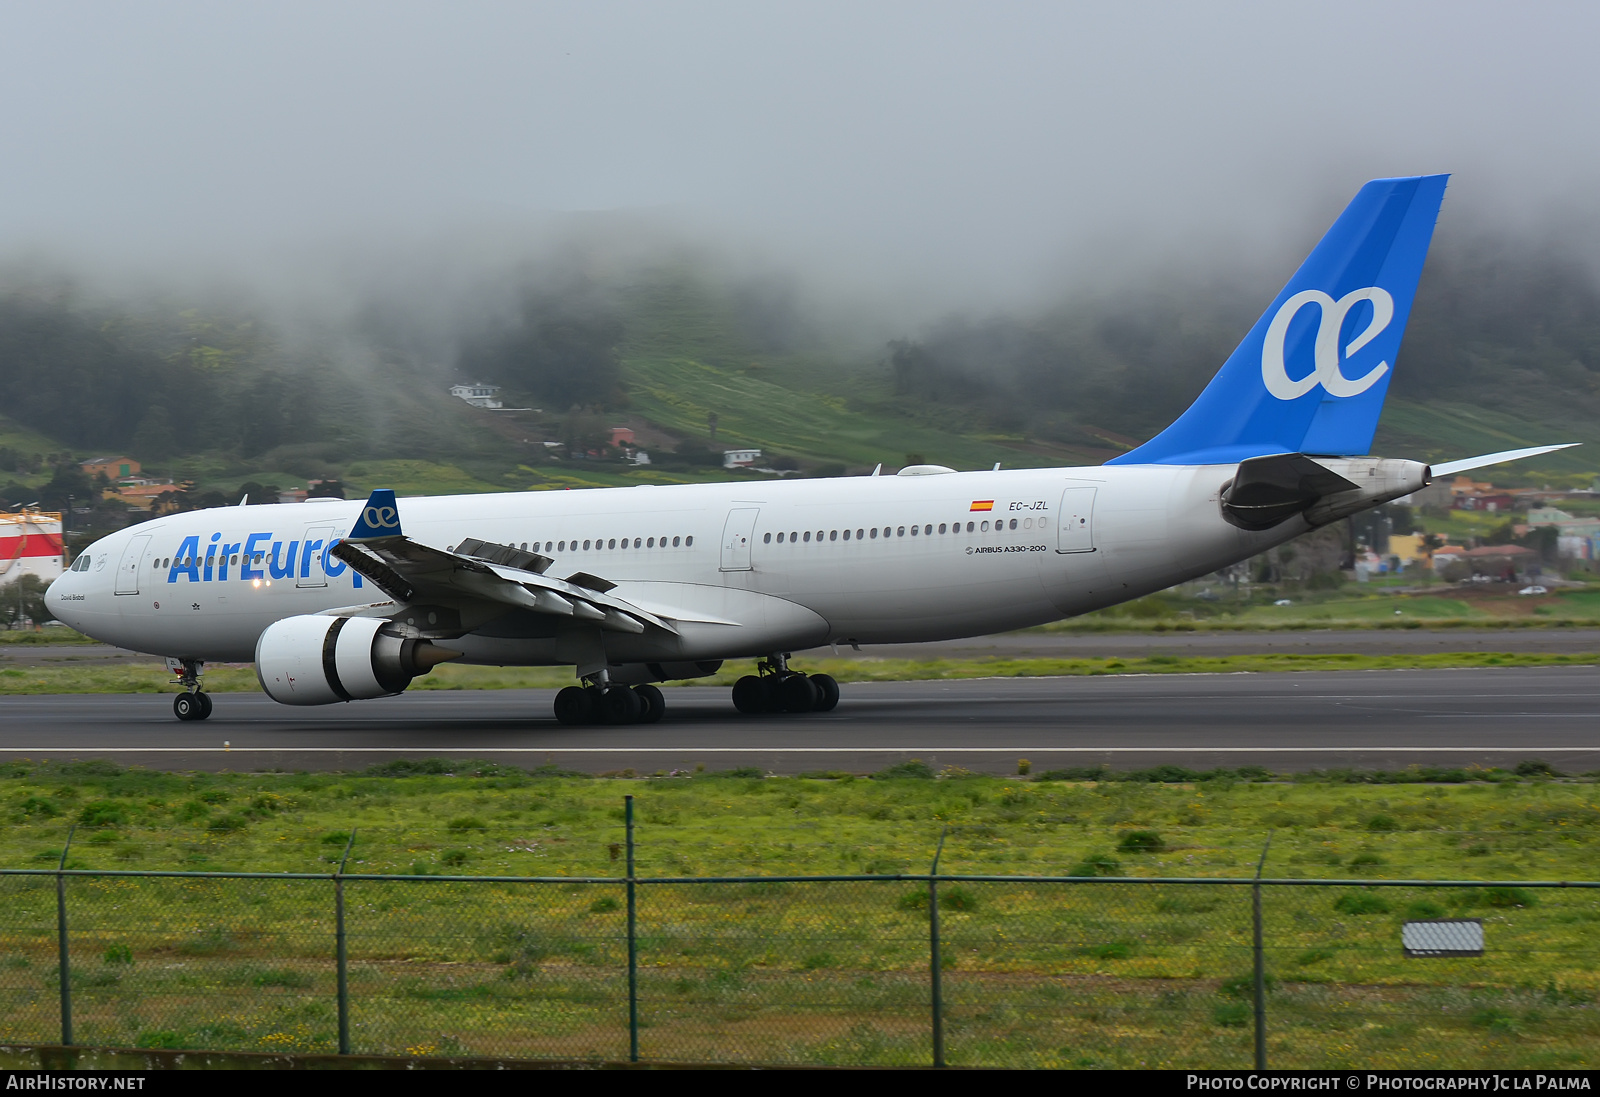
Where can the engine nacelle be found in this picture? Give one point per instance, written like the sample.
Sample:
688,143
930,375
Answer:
315,660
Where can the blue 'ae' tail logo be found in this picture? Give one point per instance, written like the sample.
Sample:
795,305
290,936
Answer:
1275,374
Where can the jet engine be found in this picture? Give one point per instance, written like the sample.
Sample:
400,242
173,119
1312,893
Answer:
315,660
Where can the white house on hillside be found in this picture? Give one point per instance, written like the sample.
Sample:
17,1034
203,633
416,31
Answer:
478,395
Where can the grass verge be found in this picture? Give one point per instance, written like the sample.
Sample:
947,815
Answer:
225,678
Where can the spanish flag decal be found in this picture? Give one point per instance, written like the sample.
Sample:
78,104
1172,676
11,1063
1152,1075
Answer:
983,504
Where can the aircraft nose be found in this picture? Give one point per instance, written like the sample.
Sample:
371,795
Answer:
55,600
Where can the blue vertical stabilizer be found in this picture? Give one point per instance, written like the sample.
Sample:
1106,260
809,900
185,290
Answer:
1312,374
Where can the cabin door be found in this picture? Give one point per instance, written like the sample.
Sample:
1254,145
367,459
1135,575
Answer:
1075,521
737,534
128,569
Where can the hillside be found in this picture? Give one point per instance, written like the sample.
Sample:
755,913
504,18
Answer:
1503,350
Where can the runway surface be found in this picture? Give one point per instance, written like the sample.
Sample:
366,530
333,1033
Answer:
1286,722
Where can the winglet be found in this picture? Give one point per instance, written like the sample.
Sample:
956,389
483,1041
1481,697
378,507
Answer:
379,518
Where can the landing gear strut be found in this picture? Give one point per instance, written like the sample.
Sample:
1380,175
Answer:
191,704
776,688
597,701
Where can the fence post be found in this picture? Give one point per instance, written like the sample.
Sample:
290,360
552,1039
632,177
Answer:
63,965
340,949
633,941
1261,964
935,961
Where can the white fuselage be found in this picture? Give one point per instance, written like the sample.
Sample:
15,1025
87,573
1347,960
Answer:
746,569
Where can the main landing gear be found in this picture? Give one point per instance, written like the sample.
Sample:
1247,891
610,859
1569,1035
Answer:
597,701
191,704
776,688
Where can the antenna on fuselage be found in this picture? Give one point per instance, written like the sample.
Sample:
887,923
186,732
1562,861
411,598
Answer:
245,498
878,469
996,467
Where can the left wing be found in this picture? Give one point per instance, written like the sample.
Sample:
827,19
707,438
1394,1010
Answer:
477,572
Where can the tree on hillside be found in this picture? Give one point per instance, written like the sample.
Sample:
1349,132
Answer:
70,482
561,350
583,431
155,439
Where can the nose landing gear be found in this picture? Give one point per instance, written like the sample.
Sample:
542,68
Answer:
191,704
776,688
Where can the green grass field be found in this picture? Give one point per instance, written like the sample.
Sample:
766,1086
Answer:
1092,974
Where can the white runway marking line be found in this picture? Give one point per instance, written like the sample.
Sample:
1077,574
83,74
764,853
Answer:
459,750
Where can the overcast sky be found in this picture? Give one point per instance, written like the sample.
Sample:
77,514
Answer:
980,146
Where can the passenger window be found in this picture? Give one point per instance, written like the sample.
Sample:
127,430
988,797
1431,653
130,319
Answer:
636,542
650,542
860,533
833,535
969,526
928,529
901,532
1013,523
793,537
874,533
941,527
687,541
549,545
847,535
233,559
766,539
808,537
914,531
586,546
674,542
984,527
612,543
561,546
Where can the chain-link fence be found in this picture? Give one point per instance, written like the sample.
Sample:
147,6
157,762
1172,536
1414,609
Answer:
854,969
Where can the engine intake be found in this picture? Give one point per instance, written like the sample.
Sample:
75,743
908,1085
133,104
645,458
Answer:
315,660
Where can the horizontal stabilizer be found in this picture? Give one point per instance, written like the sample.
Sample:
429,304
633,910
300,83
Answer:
1450,468
1268,490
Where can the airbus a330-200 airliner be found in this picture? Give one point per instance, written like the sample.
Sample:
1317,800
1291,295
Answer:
338,601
